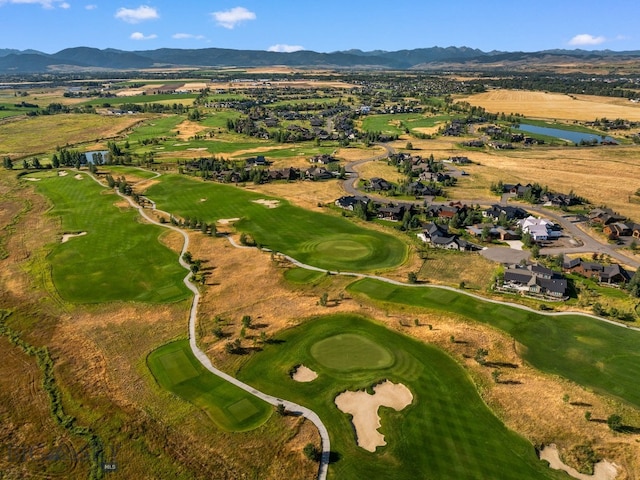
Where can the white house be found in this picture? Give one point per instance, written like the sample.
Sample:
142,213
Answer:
539,228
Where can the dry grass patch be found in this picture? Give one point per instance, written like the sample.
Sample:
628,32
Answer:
354,154
303,194
46,132
381,169
188,129
553,105
452,268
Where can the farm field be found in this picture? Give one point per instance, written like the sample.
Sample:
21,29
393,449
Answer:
318,239
589,352
553,105
436,433
121,258
229,407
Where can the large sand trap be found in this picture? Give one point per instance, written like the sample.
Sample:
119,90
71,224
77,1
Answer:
603,470
78,177
32,179
304,374
67,236
62,173
267,203
364,409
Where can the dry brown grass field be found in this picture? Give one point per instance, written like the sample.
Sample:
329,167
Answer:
451,268
553,105
379,168
36,135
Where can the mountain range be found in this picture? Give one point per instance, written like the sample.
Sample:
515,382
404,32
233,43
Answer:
434,58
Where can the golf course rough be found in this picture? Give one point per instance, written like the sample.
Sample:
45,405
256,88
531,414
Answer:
232,409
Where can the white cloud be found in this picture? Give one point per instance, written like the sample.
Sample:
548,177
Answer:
186,36
142,36
137,15
48,4
91,7
586,39
231,18
283,47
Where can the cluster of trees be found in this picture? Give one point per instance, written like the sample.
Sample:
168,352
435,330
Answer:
194,224
64,157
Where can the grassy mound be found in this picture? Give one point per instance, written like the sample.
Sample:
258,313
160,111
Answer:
231,408
118,259
314,238
447,431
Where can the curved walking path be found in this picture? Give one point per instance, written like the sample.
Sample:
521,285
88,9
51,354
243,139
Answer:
202,357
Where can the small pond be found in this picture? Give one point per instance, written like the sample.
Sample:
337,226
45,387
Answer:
575,137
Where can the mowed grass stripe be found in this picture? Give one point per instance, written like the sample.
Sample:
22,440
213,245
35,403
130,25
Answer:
118,259
589,352
229,407
314,238
447,432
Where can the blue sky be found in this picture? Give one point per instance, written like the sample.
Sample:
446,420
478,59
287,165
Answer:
320,25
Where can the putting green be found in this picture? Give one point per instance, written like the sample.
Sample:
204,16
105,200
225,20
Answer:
344,248
347,352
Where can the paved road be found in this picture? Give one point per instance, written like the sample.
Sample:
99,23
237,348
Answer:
202,357
350,183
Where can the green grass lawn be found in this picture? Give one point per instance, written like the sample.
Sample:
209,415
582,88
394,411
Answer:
446,433
314,238
229,407
119,258
302,275
592,353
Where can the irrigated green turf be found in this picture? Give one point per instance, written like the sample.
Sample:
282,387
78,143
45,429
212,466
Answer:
118,259
346,352
446,433
231,408
302,275
589,352
314,238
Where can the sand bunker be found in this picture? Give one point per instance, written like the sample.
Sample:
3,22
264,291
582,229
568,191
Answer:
364,409
32,179
199,149
62,173
78,177
67,236
227,221
268,203
304,374
603,470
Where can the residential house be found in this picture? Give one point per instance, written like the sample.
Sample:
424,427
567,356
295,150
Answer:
317,173
459,160
440,237
604,216
378,184
535,280
392,212
617,229
609,274
258,161
496,212
323,159
349,202
494,232
540,229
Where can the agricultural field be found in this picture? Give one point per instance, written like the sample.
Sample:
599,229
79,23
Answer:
317,239
435,433
554,105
